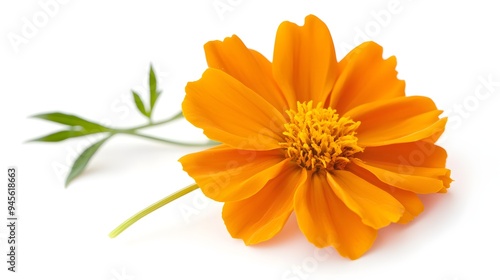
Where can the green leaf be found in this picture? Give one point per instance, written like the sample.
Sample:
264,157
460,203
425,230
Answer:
71,120
153,92
82,160
63,135
140,105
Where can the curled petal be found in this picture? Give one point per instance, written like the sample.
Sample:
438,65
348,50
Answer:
420,180
261,216
376,207
419,158
412,204
419,153
326,221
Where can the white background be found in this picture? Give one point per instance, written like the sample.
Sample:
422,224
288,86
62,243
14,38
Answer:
85,56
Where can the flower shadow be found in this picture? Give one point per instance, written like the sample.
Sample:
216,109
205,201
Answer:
395,237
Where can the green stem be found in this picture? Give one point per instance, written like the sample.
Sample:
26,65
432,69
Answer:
151,124
151,208
208,143
133,131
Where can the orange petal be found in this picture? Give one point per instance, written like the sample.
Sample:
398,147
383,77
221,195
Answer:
376,207
365,77
408,158
326,221
397,120
261,216
247,66
417,179
227,174
231,113
304,63
420,153
411,202
442,174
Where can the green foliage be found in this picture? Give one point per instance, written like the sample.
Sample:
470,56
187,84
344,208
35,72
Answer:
154,93
78,127
140,105
72,120
83,159
63,135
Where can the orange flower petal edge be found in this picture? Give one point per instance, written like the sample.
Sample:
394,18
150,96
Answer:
337,142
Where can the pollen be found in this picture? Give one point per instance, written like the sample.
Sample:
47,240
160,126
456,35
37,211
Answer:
318,139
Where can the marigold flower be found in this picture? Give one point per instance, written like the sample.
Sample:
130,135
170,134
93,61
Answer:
339,143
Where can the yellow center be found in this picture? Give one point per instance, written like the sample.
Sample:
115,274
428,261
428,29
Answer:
318,139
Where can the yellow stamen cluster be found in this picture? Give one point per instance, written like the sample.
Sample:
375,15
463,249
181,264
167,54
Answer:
318,139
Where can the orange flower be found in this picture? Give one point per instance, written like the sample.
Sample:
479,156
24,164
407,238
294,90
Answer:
339,143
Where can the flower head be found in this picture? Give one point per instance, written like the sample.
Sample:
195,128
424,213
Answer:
336,142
